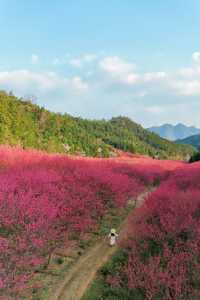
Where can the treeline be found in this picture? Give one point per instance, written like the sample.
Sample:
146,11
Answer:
195,157
30,126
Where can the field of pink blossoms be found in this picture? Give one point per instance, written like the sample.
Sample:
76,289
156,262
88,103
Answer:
163,247
45,199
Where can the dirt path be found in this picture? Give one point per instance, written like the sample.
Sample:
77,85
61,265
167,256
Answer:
83,272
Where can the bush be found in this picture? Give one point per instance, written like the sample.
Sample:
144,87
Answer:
195,157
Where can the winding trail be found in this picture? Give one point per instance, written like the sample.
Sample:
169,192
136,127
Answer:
84,270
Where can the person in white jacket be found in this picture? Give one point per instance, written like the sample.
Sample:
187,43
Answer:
112,237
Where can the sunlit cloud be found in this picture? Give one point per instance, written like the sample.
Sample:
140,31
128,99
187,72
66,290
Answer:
99,85
25,82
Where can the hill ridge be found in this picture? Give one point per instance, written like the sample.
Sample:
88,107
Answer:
193,140
31,126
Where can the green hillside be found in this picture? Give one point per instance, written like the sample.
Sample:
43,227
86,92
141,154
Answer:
30,126
193,140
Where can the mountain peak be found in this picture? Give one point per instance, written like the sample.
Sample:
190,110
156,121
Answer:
174,132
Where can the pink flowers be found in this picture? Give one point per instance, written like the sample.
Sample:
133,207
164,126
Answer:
164,243
45,198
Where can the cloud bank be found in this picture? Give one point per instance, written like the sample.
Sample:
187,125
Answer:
102,86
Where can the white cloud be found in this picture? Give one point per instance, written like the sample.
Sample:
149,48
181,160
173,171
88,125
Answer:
24,82
115,74
154,109
90,57
121,74
187,72
119,70
34,59
132,78
78,84
82,60
196,56
190,72
116,66
110,73
154,76
186,88
25,79
125,72
111,81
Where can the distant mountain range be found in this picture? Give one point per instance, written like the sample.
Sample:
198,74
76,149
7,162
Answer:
193,140
174,132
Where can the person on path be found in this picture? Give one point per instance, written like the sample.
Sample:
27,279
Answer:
113,237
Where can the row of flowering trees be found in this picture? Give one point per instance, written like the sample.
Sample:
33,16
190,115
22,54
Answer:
163,248
45,199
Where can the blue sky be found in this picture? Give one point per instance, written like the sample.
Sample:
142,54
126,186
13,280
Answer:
99,59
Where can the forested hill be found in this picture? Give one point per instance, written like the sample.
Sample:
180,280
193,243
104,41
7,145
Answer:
30,126
193,140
